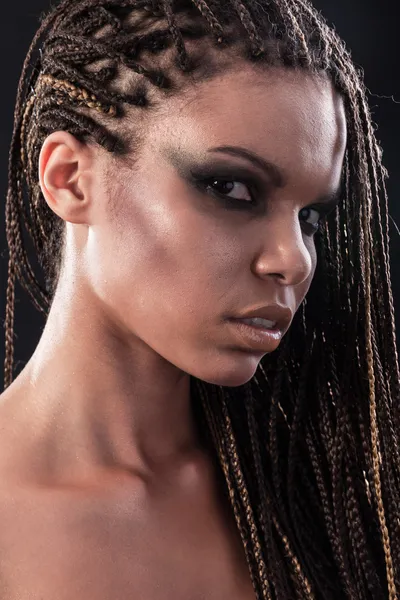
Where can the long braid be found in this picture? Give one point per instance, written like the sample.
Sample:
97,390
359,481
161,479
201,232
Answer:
244,496
374,424
220,444
309,450
264,497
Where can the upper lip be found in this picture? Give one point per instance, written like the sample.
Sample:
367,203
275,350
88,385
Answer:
273,312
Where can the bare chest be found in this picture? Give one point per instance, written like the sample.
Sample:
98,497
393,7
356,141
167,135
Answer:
67,546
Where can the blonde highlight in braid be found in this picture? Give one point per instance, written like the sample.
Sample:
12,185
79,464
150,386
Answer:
308,451
76,94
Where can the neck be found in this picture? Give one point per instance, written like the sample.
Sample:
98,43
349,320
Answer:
101,396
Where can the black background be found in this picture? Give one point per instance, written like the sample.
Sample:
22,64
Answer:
370,30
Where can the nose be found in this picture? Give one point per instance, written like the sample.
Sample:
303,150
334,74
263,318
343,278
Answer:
287,253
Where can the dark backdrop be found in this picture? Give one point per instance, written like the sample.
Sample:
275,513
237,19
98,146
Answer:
370,31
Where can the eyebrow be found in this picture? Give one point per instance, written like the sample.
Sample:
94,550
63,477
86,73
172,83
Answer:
278,176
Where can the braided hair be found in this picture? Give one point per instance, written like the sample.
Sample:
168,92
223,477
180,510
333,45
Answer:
308,450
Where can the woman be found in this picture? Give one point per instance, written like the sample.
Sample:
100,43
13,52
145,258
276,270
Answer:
181,166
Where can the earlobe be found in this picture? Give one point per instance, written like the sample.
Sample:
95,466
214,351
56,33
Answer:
63,168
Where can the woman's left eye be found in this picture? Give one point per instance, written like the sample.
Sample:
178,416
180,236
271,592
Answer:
318,219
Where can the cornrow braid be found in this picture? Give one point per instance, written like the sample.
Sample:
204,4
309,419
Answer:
207,13
75,94
308,452
248,24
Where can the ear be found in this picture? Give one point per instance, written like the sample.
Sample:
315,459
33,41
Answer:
65,172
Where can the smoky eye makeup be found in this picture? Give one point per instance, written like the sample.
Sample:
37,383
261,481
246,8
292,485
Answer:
197,172
258,193
259,189
207,177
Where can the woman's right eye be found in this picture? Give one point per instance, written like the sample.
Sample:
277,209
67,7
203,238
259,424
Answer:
232,191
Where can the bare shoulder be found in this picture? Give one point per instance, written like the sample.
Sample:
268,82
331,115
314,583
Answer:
54,543
62,544
110,538
34,518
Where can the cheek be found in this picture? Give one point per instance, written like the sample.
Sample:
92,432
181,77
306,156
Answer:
303,289
311,249
165,273
169,279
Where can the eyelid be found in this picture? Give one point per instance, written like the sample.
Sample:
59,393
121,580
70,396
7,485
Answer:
327,208
324,207
237,172
256,183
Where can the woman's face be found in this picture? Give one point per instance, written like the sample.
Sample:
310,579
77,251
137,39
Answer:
191,236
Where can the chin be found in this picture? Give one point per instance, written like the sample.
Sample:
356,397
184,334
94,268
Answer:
232,373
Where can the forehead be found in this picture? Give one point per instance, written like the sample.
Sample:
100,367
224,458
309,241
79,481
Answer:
293,118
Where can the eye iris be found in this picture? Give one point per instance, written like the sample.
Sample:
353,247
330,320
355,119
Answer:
223,185
308,210
227,186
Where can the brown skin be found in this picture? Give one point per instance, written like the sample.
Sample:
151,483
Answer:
153,267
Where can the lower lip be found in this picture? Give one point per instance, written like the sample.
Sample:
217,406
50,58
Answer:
257,338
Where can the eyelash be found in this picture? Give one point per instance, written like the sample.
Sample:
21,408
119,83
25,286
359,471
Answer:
234,203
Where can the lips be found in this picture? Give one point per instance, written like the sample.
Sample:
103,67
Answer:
278,313
260,323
